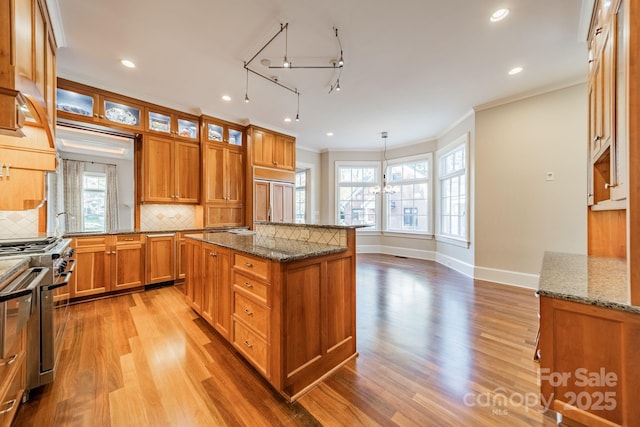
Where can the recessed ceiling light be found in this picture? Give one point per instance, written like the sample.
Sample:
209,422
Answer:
226,98
127,63
329,133
515,70
287,119
499,15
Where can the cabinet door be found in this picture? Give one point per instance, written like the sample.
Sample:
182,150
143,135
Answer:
262,144
187,128
620,158
181,257
74,104
24,189
235,176
214,173
261,201
284,153
128,266
91,274
158,169
222,313
160,258
209,279
187,175
121,112
193,279
282,202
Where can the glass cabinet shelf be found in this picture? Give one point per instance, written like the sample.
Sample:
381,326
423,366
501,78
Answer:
187,129
214,132
74,102
159,122
122,114
235,137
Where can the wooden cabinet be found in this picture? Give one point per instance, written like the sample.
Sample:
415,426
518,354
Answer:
181,256
273,150
27,64
194,275
161,256
294,322
273,201
170,171
107,263
588,362
216,130
172,123
13,380
223,185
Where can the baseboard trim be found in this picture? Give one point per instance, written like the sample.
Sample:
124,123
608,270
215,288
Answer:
506,277
495,275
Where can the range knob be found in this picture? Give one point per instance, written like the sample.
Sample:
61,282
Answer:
62,266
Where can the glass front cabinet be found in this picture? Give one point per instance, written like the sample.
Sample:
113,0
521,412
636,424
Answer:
219,131
172,124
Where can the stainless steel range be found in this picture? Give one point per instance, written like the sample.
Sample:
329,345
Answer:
50,303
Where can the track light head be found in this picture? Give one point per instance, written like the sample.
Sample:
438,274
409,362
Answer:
297,117
338,85
246,98
341,60
286,63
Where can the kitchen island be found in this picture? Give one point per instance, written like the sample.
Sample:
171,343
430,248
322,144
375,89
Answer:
284,297
589,340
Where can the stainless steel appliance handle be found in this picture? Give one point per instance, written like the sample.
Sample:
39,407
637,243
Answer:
66,276
21,287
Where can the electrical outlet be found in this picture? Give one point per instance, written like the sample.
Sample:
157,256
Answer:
304,234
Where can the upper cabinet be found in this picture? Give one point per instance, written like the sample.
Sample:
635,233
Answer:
607,55
273,150
27,65
76,103
215,130
172,123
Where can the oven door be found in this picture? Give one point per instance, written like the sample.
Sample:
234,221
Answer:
54,315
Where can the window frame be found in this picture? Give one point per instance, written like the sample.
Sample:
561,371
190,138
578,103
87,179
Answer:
307,173
84,190
377,181
461,141
430,197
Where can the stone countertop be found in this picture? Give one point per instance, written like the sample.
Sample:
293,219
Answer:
274,249
599,281
295,224
10,266
178,230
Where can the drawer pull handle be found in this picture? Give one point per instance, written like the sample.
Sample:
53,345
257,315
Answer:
9,360
212,254
248,344
11,404
248,285
129,239
248,312
248,264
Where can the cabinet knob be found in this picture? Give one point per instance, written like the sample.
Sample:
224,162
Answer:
101,116
596,138
248,285
213,254
9,360
598,31
608,186
247,343
248,312
248,264
95,115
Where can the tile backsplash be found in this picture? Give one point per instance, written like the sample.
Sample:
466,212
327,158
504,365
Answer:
166,217
19,223
329,236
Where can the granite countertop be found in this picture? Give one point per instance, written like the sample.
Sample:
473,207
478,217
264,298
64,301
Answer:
599,281
274,249
177,230
10,266
295,224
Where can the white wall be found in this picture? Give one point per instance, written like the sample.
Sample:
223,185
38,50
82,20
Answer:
518,214
455,256
308,159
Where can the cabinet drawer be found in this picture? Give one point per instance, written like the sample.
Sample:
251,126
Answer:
253,286
91,241
252,313
11,400
129,238
251,346
256,266
14,359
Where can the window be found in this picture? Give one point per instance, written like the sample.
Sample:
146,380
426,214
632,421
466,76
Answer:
407,208
94,186
301,196
452,177
357,204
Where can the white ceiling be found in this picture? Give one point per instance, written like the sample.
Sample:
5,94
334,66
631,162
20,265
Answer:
412,67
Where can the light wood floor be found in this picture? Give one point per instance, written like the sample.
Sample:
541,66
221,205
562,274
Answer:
436,348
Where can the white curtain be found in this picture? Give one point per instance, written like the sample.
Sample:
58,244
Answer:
111,214
72,178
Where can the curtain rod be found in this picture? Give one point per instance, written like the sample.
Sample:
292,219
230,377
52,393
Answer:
93,163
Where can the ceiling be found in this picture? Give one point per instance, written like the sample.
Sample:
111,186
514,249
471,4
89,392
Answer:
412,67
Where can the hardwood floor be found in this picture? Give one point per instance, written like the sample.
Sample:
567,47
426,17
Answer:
436,348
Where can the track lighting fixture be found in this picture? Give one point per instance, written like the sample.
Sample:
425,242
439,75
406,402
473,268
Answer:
246,90
333,64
